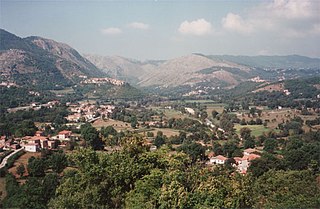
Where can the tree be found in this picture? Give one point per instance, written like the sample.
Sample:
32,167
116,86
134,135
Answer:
27,128
109,130
194,150
91,136
270,145
50,183
245,133
21,170
259,112
134,122
226,122
58,162
150,134
214,113
287,189
229,148
36,167
253,111
265,163
159,141
249,143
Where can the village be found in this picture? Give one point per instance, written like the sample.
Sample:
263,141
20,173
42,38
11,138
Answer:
80,113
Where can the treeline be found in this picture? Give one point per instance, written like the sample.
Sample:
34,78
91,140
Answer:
18,96
21,123
42,179
134,177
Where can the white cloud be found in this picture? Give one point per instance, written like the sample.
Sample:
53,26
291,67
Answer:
139,25
235,22
198,27
285,18
111,31
292,9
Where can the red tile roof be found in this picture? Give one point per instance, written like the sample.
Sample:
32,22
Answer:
249,150
251,157
211,154
64,132
220,157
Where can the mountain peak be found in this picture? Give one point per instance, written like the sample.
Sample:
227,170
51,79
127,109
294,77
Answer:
43,62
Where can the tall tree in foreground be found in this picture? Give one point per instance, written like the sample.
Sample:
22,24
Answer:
91,136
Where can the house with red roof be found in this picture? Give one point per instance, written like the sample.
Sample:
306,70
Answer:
221,160
64,135
243,163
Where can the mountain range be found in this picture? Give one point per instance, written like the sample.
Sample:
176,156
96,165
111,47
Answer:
198,70
186,70
49,64
42,62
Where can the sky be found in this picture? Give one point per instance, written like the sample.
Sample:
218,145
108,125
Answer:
167,29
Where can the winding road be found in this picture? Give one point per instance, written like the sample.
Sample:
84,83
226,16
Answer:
4,161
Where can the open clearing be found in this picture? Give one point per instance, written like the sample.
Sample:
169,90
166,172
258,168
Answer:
219,107
166,131
174,114
23,160
63,91
256,130
202,101
278,116
3,191
118,125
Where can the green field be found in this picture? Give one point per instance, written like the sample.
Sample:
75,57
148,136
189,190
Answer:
68,90
202,101
257,130
219,107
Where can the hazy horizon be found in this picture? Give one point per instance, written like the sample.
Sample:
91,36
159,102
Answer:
158,30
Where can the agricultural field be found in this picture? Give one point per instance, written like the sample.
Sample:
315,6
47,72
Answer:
219,107
201,101
118,125
3,191
170,113
64,91
278,116
256,130
24,161
166,131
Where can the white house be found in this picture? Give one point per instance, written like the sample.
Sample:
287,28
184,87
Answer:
64,135
31,147
190,110
218,160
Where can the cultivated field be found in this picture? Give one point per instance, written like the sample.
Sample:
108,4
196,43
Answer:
256,130
166,131
174,114
118,125
278,116
23,160
219,107
63,91
3,191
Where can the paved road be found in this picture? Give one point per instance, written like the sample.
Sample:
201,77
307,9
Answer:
4,161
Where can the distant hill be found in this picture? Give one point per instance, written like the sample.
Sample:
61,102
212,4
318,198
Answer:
36,61
191,70
198,71
269,62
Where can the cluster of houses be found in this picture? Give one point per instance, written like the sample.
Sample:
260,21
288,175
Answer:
103,80
240,163
35,106
8,84
37,142
87,112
